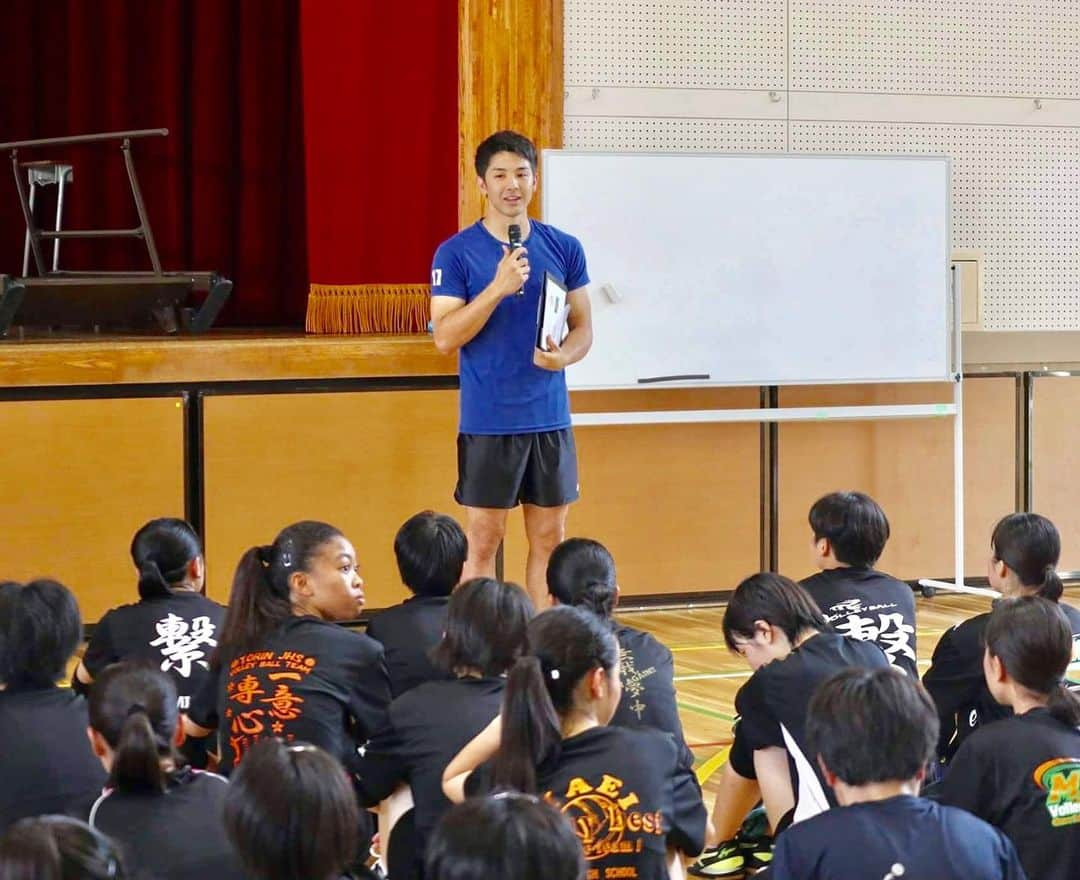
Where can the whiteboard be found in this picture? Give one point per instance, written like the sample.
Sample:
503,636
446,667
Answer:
758,269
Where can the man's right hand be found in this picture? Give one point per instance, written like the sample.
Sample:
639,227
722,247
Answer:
512,272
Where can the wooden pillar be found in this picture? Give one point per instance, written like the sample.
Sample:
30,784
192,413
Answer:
510,75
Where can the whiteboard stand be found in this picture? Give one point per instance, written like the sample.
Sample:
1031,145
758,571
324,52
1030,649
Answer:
955,410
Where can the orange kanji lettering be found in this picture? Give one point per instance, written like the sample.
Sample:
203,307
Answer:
247,689
284,703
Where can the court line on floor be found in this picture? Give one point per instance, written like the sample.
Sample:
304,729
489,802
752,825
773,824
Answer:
712,765
701,710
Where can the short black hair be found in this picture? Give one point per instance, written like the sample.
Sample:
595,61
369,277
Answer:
486,625
875,725
57,848
582,572
291,813
430,549
854,524
777,600
40,628
506,835
504,142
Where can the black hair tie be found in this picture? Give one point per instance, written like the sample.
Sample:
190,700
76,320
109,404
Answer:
135,709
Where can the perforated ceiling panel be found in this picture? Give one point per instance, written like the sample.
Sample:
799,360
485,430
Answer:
1015,198
735,44
947,47
665,135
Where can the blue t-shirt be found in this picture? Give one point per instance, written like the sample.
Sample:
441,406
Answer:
864,842
502,391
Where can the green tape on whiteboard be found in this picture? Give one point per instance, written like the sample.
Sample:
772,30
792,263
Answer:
942,409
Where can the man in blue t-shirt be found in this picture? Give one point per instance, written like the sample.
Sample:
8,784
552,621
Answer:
515,444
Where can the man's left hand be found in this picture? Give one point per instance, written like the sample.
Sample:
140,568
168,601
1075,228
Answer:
553,359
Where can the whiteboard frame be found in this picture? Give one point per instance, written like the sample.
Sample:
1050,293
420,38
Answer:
954,366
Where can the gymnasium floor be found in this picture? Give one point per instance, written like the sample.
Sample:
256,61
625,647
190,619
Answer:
707,675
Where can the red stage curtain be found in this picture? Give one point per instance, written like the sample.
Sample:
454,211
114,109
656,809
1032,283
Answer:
225,190
381,137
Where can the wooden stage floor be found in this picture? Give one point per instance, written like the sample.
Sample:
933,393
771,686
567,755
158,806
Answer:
707,675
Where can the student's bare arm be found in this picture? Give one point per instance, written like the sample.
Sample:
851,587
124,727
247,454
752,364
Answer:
456,322
774,777
578,341
482,747
737,797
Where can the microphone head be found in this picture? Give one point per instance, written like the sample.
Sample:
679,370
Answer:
513,232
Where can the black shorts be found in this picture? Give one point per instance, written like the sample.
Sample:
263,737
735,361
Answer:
505,470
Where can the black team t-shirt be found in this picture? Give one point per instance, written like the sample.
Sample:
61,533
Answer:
955,680
408,632
175,835
176,633
628,797
865,841
425,728
46,764
1022,775
648,696
772,708
865,604
310,681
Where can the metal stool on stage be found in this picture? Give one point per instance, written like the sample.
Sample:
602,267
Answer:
99,299
47,173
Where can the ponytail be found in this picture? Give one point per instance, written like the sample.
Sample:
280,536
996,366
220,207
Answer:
137,756
162,550
531,730
565,645
1064,705
1052,587
152,583
260,601
133,708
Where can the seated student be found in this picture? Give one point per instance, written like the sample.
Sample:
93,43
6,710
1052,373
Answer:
581,572
626,792
873,733
775,625
850,531
506,835
426,727
291,814
1024,553
59,848
283,668
430,549
1020,774
46,765
173,625
166,816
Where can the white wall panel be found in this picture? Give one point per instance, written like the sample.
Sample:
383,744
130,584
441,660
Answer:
732,44
660,134
951,47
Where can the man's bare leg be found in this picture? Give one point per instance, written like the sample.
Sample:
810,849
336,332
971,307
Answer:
484,529
545,528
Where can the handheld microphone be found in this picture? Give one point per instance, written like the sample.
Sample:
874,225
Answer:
513,232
